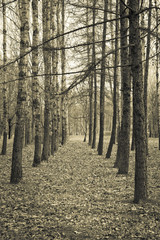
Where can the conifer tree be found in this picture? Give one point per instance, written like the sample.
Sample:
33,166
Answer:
35,86
5,107
102,83
46,4
16,170
140,192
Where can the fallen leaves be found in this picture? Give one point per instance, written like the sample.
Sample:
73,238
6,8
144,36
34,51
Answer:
77,195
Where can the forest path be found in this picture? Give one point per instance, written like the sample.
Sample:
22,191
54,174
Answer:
76,195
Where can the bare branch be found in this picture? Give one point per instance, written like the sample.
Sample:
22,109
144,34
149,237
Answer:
8,3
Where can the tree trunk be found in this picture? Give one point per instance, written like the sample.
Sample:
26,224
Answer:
63,82
90,80
140,192
16,171
90,109
35,87
146,74
95,79
54,70
85,117
9,128
5,112
57,133
114,121
47,67
157,77
124,139
133,135
102,83
27,130
1,125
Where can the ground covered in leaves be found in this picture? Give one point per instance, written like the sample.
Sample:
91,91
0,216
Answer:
78,195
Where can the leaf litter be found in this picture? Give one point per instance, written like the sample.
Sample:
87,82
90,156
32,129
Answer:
78,195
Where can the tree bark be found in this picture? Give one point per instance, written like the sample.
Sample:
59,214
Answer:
57,133
140,192
63,81
124,139
95,78
90,80
146,74
5,112
16,170
54,71
35,86
157,78
47,67
133,136
102,83
114,120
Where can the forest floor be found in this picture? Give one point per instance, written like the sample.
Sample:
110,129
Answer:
78,195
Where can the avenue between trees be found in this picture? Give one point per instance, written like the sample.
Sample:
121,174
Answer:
86,68
77,195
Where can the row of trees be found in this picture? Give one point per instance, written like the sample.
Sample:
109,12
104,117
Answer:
37,83
78,63
134,22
